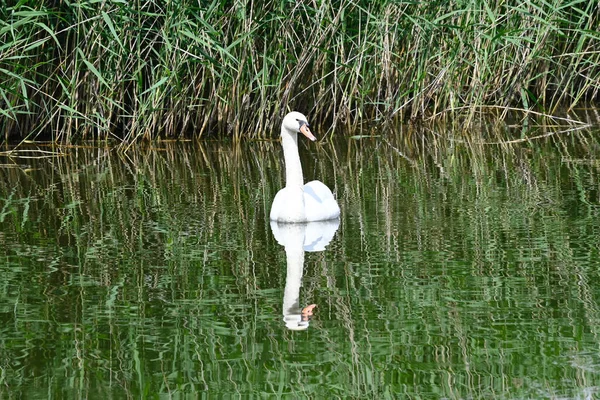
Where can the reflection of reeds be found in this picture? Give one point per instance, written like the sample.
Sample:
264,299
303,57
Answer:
155,270
134,70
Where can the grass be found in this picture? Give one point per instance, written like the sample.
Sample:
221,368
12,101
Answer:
133,70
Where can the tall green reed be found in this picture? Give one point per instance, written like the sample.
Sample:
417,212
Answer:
185,68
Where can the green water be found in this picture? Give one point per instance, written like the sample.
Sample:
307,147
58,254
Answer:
457,271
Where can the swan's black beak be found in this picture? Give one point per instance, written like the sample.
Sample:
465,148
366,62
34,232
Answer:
306,131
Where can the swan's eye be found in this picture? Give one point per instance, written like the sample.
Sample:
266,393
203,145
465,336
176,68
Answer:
302,123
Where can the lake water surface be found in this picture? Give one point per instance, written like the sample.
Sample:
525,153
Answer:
457,270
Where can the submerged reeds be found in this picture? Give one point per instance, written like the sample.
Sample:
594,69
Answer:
102,69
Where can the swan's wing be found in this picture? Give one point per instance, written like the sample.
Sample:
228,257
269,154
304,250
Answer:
319,202
317,191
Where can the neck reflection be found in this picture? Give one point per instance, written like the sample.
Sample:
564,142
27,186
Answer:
297,239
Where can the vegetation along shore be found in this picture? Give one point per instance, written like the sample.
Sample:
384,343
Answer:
132,69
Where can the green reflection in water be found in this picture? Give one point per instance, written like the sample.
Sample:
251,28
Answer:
457,271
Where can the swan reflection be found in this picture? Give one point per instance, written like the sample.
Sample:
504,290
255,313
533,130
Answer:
296,239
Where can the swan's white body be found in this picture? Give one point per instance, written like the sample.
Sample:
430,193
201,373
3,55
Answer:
298,202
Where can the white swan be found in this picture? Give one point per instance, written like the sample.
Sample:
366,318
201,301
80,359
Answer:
298,202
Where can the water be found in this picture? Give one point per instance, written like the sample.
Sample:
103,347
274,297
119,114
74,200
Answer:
457,271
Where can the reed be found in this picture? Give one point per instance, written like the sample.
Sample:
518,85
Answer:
132,70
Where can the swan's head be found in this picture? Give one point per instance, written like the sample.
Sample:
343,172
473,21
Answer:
297,122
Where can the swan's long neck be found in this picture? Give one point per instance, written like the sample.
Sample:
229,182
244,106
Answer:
293,168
